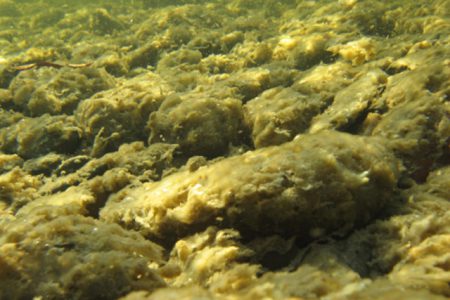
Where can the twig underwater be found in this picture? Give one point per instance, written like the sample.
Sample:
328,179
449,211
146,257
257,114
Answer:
41,64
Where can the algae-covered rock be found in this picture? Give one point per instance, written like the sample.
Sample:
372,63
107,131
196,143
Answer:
183,59
351,103
37,92
419,132
423,237
251,82
139,113
278,115
198,122
9,117
326,79
426,263
409,248
302,51
18,188
119,115
102,22
207,257
423,77
56,255
438,183
33,137
357,52
310,186
9,162
101,177
144,56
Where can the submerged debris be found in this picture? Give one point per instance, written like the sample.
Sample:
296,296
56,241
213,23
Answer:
41,64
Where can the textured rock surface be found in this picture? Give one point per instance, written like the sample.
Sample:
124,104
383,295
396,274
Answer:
272,149
279,114
311,186
74,256
198,122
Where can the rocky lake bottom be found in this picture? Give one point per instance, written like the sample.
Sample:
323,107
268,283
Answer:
225,150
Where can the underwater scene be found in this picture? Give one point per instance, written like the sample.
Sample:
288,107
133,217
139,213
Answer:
224,149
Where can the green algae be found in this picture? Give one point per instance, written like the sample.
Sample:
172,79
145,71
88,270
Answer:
273,149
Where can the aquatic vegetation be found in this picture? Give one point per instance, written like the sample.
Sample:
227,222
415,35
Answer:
224,149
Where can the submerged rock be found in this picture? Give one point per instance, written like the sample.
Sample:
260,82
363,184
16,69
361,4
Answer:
139,113
34,137
57,255
311,186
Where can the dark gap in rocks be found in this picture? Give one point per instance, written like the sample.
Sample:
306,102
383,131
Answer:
98,171
94,208
433,83
63,187
71,165
391,70
354,127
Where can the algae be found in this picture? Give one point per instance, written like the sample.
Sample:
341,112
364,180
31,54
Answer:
224,149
